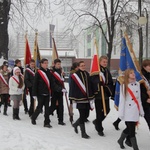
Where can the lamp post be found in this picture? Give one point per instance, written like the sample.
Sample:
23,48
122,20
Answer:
142,21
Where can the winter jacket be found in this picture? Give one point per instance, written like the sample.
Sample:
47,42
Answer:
4,89
40,87
75,93
13,87
128,109
29,77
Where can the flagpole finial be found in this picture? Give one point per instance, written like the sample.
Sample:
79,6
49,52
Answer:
36,31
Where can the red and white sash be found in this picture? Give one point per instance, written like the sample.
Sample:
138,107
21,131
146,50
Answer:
30,71
58,77
79,83
45,78
3,80
134,98
15,79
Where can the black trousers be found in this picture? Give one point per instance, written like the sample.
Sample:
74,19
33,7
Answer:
4,100
31,108
84,114
25,100
57,104
100,113
130,129
147,116
42,101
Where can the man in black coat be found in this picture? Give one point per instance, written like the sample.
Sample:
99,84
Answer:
107,84
42,86
145,90
57,97
28,79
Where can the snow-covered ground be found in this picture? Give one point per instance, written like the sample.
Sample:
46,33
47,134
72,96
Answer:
22,135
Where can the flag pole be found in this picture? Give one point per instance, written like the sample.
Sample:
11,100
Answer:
101,87
25,48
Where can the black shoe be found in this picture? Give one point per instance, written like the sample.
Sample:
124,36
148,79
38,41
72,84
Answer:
5,114
85,136
33,122
47,126
61,123
101,133
116,126
94,122
87,121
128,142
26,111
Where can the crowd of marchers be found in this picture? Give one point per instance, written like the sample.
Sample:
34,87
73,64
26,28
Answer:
46,88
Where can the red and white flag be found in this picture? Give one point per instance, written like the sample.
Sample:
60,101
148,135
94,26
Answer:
95,67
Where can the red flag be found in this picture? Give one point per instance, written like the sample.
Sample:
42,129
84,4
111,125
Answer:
27,53
95,68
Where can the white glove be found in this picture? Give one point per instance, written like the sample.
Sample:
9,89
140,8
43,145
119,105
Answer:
64,90
92,104
35,97
102,75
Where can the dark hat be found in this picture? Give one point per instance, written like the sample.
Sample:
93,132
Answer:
5,63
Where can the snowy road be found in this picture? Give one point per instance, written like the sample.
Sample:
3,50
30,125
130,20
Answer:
22,135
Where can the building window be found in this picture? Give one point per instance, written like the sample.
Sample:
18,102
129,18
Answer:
88,52
89,38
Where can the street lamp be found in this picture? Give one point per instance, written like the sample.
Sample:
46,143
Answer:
142,21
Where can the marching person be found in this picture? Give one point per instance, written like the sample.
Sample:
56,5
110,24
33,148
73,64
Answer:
42,86
74,68
28,79
80,93
57,97
18,64
145,92
4,87
107,84
16,88
130,107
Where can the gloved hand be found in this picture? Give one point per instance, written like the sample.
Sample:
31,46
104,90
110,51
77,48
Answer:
64,90
35,97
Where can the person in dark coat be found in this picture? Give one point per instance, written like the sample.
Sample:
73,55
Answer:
57,97
145,90
42,86
28,79
107,84
74,68
81,94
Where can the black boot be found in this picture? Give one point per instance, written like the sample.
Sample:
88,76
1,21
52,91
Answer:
5,111
134,143
17,114
83,132
128,142
75,125
116,123
121,139
14,113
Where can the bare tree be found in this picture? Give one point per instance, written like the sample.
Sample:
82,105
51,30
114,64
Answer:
90,13
18,13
